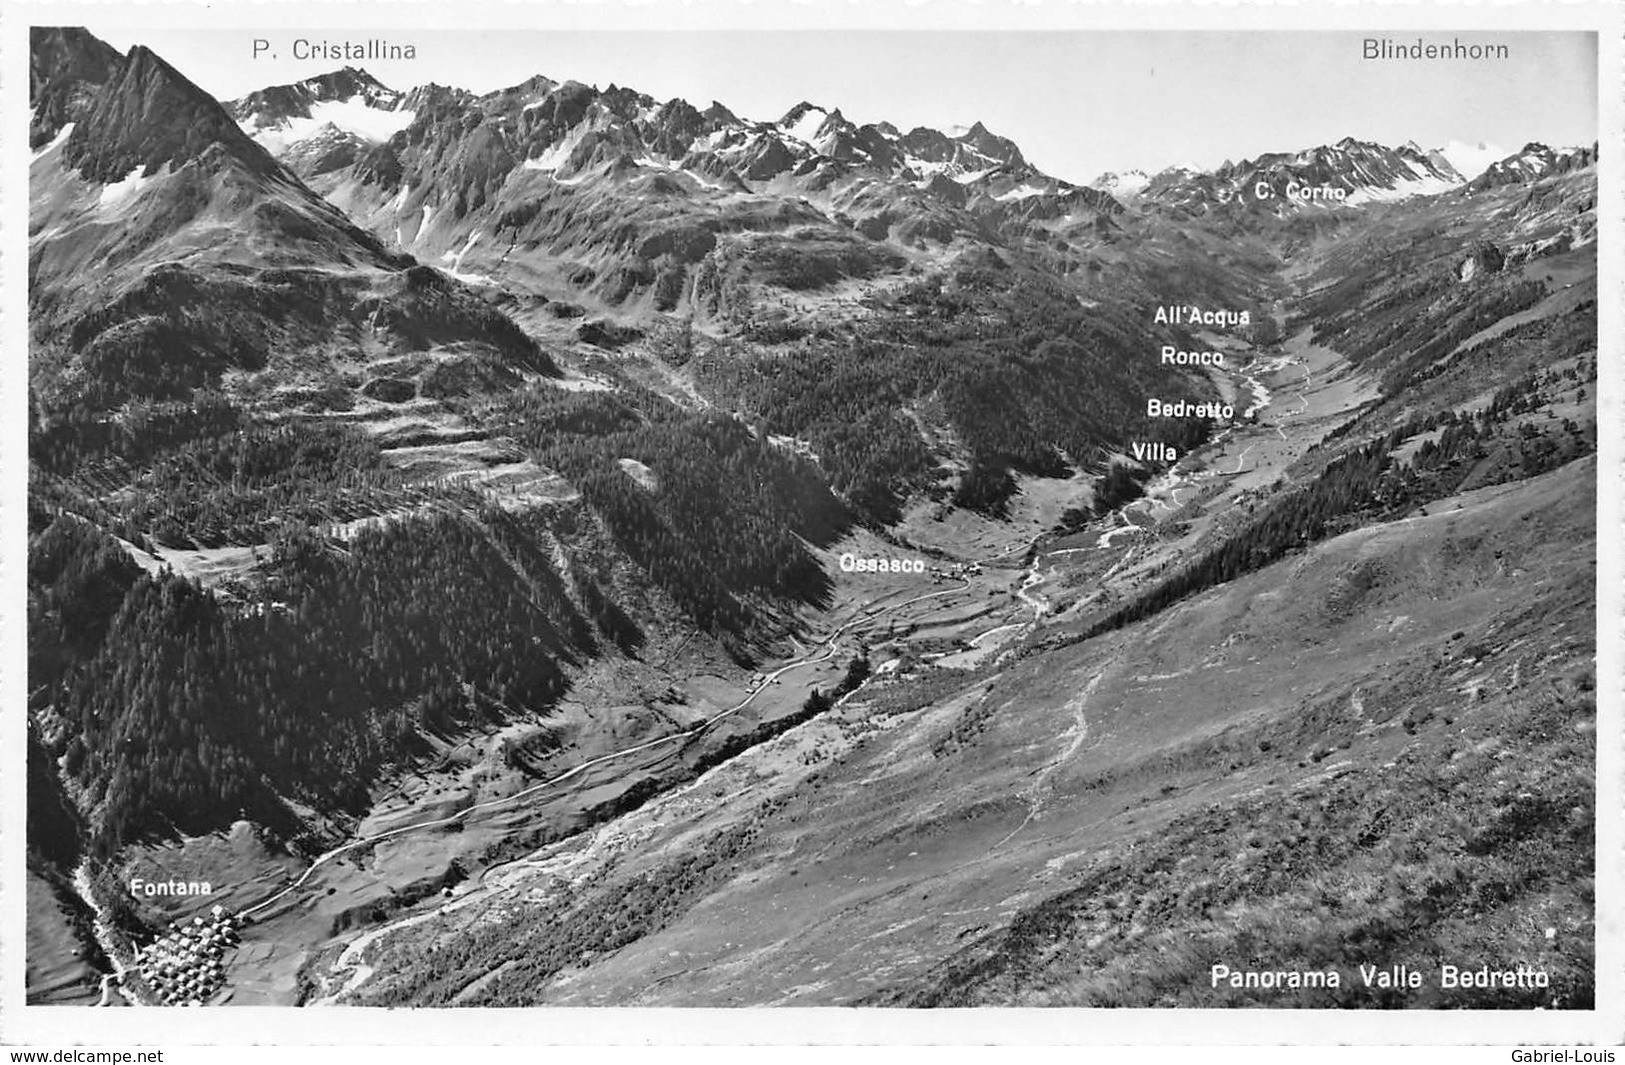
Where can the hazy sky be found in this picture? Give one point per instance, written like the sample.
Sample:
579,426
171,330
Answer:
1077,102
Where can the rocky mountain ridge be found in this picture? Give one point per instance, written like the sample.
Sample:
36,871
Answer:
621,126
1532,163
397,160
1347,173
563,187
167,248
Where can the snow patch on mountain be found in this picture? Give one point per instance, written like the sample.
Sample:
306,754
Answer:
805,127
1534,161
56,141
1422,185
954,168
1125,184
397,205
1024,191
926,169
649,162
713,140
127,186
456,259
557,154
355,116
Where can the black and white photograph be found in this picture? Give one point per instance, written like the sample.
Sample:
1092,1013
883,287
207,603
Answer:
906,518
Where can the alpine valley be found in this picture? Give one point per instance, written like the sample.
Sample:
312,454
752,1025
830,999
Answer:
559,546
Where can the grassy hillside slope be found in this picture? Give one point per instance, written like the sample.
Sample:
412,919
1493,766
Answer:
1318,764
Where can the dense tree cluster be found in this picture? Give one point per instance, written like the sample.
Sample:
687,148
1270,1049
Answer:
1118,485
202,473
723,516
187,713
237,488
65,436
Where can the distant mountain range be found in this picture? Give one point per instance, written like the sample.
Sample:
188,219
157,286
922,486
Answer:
628,193
323,123
568,129
466,181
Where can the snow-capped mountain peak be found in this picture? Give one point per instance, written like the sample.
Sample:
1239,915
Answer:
803,121
349,83
1533,162
1126,183
349,100
1348,172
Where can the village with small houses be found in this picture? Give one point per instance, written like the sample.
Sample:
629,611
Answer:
958,571
187,966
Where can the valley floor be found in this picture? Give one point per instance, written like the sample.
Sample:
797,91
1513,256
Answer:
899,847
981,824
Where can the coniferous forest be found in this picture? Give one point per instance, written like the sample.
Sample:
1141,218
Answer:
183,707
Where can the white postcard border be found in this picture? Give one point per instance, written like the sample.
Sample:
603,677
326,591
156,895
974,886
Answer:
59,1025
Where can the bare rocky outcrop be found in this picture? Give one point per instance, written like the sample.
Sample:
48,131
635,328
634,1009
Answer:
1484,258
